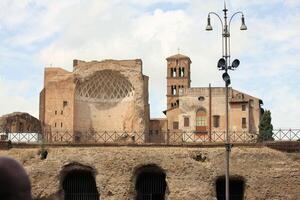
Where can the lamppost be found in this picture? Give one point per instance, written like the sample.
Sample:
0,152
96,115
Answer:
224,65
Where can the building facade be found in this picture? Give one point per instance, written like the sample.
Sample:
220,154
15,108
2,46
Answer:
111,96
200,111
102,96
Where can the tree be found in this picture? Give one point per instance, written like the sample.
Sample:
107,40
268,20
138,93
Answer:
265,127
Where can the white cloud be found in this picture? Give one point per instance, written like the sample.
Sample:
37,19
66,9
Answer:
96,30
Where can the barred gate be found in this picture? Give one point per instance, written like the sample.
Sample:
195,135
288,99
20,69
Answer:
80,185
151,186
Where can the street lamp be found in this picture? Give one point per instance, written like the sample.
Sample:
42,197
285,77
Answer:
224,65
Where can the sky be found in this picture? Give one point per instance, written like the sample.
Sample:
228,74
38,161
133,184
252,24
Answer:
35,34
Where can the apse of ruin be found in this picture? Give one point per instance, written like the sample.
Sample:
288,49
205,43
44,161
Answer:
107,95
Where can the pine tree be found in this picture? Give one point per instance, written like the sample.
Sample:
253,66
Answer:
265,127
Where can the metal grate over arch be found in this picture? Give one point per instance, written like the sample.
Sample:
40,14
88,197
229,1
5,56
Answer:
151,185
103,86
80,185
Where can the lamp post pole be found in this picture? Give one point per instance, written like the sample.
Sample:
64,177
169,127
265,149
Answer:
224,65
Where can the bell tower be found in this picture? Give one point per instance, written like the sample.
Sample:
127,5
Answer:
178,78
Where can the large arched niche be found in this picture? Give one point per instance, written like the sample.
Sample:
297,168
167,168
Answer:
149,180
104,101
104,86
77,181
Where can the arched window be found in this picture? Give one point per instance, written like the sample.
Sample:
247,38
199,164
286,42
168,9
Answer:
150,184
80,184
174,72
201,122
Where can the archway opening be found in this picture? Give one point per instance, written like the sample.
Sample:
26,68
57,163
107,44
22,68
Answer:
80,185
151,184
236,188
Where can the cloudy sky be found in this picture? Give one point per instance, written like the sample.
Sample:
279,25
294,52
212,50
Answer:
40,33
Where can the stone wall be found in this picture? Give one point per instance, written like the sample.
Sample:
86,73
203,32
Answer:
109,95
268,174
19,122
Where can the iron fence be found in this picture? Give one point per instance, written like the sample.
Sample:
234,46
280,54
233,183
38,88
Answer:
21,137
168,137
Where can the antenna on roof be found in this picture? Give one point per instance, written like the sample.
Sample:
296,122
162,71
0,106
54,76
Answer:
178,50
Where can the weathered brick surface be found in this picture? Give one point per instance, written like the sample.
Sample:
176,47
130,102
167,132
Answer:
268,174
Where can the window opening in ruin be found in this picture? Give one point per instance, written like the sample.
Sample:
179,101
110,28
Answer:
80,185
244,123
56,112
171,72
186,121
55,124
65,103
216,121
183,72
21,127
151,184
61,124
201,124
62,112
236,188
175,125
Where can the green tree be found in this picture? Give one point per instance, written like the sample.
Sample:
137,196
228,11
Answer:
265,127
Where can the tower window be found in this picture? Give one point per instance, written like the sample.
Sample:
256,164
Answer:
61,112
55,112
171,72
174,72
61,124
174,90
55,124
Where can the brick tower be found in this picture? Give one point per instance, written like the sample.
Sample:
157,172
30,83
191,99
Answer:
178,78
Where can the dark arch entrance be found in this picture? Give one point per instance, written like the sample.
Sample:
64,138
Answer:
151,184
236,188
80,185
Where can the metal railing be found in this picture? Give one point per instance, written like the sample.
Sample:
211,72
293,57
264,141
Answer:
168,137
